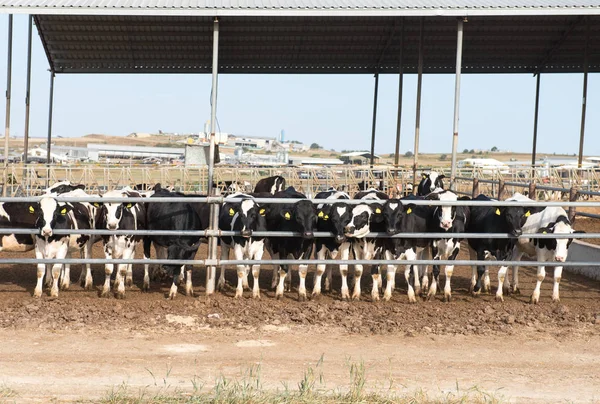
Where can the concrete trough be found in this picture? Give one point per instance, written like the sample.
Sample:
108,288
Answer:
582,251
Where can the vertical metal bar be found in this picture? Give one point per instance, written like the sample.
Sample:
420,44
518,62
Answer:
400,85
374,124
584,99
214,220
535,119
49,140
27,95
8,93
459,48
418,115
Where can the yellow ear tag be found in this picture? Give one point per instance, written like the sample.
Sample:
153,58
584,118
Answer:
320,214
96,204
128,206
544,232
63,211
377,210
326,217
287,216
231,212
408,211
31,209
498,211
261,212
424,176
527,214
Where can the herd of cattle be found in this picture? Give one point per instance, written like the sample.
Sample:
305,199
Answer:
350,225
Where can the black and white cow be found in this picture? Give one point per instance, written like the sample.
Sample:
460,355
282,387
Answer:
300,217
50,216
551,220
365,218
231,187
446,219
121,216
271,185
402,216
489,219
63,187
430,182
181,216
246,217
16,215
333,218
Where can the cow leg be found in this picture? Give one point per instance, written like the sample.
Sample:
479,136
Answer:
147,244
41,270
321,254
256,271
224,256
481,270
48,280
449,270
390,276
276,270
557,278
423,255
55,276
283,272
189,290
344,254
176,275
410,255
302,271
541,274
473,257
517,255
358,270
108,270
129,274
238,255
416,275
65,279
89,281
328,277
501,278
119,285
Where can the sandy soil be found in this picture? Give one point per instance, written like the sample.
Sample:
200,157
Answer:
81,346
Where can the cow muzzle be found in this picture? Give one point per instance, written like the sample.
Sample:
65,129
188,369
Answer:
516,233
112,226
307,235
446,224
46,232
349,230
246,233
339,238
560,258
390,231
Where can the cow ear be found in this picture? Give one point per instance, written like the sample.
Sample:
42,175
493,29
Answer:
64,209
499,211
441,176
527,213
286,214
425,176
231,211
130,205
409,208
262,211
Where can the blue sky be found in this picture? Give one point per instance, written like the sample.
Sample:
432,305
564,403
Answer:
332,110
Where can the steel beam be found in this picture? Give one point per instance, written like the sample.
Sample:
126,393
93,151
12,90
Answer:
418,114
8,93
27,94
374,123
459,47
50,115
535,119
584,98
400,85
214,220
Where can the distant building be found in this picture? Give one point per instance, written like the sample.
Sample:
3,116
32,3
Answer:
102,151
358,158
314,161
252,142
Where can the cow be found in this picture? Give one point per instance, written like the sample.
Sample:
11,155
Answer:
231,187
121,216
446,219
271,185
402,216
489,219
63,187
364,186
245,216
430,182
15,215
551,220
365,218
180,216
51,215
299,217
331,217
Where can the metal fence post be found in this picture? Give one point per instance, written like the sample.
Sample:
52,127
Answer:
572,209
475,191
501,187
532,191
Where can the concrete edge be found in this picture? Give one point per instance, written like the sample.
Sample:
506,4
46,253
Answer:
582,251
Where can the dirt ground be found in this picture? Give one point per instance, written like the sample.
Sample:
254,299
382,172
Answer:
81,346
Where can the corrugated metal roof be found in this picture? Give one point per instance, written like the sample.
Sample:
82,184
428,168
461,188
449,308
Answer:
150,44
306,7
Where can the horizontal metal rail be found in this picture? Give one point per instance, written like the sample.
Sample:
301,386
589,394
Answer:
219,200
590,215
590,193
217,262
229,233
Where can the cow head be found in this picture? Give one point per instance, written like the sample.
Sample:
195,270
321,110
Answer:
514,217
248,213
337,216
362,217
560,245
392,215
430,182
64,187
112,213
444,214
50,215
304,215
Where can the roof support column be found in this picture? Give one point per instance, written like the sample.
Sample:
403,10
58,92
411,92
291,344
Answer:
535,119
418,117
27,94
459,46
49,140
211,271
374,124
584,99
8,92
400,85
